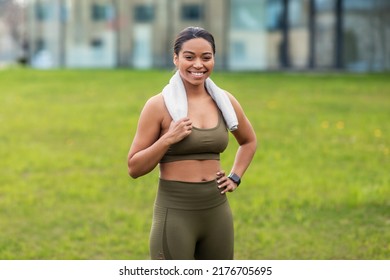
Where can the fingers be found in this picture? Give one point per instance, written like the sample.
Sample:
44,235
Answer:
224,183
220,174
180,129
186,121
184,124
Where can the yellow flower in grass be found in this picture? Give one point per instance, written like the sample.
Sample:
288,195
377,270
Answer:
325,124
340,125
378,133
271,104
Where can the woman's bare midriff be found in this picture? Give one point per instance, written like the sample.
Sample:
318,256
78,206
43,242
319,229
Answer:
190,170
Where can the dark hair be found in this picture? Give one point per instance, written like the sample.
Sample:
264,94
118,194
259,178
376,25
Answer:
191,33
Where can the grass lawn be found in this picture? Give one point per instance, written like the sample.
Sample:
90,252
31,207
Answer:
319,186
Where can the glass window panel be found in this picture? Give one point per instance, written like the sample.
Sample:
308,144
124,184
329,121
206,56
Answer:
246,15
192,12
98,12
273,15
143,13
42,12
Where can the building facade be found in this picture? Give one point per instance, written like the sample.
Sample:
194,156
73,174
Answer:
12,32
249,34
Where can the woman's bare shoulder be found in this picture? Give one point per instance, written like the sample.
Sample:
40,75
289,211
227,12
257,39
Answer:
234,101
154,104
156,101
155,109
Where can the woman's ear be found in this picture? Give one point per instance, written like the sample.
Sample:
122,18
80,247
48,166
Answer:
175,58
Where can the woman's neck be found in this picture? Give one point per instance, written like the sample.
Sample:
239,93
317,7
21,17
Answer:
195,90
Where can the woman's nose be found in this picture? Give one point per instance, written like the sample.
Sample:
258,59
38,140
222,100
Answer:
198,63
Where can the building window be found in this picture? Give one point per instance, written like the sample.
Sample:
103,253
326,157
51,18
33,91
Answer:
246,15
144,13
239,50
96,43
99,12
296,16
192,12
40,45
274,14
275,8
42,12
64,13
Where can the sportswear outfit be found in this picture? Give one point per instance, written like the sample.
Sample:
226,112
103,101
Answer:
193,220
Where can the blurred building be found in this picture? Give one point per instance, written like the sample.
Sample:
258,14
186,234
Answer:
250,34
12,32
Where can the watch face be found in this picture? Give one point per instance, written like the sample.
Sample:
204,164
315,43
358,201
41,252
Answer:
235,178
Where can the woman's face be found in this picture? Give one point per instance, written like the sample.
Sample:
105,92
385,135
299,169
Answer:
195,61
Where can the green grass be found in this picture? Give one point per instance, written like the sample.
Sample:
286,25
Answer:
318,188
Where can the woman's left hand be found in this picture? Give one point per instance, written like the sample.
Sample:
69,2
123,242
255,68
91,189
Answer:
224,183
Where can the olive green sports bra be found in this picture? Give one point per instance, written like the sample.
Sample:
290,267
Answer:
201,144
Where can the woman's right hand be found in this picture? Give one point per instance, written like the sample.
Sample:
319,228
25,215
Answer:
179,130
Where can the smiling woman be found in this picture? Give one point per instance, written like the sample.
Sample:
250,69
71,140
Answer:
194,53
196,61
192,217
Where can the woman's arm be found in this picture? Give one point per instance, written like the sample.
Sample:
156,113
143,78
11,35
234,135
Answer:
149,145
246,138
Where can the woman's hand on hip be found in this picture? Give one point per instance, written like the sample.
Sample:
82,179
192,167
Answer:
224,183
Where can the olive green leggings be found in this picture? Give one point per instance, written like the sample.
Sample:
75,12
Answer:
191,221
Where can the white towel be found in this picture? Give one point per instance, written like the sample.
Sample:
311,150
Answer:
175,99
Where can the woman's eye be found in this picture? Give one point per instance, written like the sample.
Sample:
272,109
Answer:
188,57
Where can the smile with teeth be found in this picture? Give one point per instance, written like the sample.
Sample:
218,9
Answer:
197,74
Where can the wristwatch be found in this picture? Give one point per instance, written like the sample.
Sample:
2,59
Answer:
235,178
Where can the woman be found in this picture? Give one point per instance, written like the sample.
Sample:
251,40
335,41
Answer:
192,217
